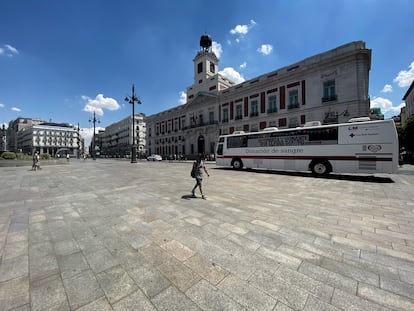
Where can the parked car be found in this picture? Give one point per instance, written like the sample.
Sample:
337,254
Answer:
154,157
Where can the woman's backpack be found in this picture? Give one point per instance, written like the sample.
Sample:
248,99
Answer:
193,170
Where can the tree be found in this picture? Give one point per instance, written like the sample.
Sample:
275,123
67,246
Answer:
400,132
409,134
406,137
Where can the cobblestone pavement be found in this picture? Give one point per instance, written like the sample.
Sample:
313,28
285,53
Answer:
111,235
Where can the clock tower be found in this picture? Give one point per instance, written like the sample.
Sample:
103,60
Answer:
206,76
205,62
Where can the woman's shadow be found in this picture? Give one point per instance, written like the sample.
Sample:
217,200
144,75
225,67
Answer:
188,197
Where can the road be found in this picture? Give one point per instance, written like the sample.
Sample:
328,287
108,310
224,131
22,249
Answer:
112,235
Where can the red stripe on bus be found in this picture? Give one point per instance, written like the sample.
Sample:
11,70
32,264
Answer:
338,158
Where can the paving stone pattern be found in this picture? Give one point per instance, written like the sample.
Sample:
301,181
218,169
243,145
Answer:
112,235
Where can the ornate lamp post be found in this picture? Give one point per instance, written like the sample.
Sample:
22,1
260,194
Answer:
79,141
344,113
132,100
94,120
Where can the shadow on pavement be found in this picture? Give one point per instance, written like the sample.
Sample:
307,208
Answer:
188,197
360,178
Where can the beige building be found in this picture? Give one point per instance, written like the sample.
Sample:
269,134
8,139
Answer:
329,87
17,125
116,140
56,139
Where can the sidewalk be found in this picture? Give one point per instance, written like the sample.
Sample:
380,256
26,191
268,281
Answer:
111,235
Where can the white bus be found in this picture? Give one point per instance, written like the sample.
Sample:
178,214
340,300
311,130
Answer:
360,146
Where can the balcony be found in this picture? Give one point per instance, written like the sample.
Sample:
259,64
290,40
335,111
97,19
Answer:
200,124
326,99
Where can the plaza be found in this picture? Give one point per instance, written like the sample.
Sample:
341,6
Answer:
111,235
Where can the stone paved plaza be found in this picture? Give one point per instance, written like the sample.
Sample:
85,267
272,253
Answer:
111,235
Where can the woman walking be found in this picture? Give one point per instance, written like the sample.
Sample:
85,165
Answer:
198,168
36,161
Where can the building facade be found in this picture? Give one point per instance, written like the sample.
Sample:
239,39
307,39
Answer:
408,110
3,138
56,139
330,87
17,125
116,140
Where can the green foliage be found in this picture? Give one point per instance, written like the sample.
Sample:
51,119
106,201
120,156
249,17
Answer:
8,155
44,156
400,132
408,135
23,156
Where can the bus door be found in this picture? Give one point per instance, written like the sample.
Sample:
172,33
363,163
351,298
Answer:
219,150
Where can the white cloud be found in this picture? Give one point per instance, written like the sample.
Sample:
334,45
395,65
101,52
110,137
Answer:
87,134
16,109
232,75
265,49
99,103
386,105
2,105
242,30
183,98
243,66
8,50
405,77
387,88
97,110
216,48
11,49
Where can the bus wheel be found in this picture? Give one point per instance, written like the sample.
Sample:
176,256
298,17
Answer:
320,167
237,164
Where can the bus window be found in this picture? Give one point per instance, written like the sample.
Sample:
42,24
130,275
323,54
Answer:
237,141
220,149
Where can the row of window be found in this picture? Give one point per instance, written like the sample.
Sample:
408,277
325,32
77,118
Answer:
272,107
172,139
200,67
180,123
255,127
169,126
42,143
53,133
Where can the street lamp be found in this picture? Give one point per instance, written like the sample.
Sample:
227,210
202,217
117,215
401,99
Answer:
344,113
131,100
94,120
79,141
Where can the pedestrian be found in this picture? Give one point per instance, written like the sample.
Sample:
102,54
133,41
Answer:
36,163
198,168
67,157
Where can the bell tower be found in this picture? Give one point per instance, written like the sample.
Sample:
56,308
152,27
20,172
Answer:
207,78
205,62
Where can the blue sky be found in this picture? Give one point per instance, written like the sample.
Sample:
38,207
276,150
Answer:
63,59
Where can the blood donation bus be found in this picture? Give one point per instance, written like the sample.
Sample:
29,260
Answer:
359,146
